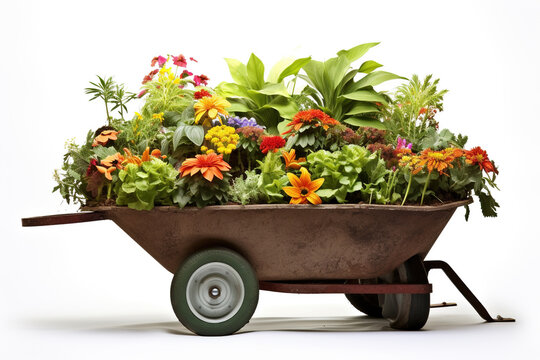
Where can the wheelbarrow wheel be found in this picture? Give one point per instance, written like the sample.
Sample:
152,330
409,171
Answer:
407,311
214,292
366,303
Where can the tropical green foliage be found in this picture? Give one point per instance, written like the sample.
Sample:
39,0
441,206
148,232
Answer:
246,191
333,86
269,102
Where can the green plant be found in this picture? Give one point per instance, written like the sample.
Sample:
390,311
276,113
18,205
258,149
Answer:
246,191
197,190
332,86
120,98
346,171
443,139
412,114
142,187
250,95
272,177
103,89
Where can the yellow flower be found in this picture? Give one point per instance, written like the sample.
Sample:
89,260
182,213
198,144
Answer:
164,70
210,106
176,81
204,148
303,189
139,116
158,116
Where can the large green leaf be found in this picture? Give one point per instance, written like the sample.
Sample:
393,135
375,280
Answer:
195,133
231,89
356,52
286,108
240,105
293,68
315,72
365,95
278,68
375,78
334,71
273,89
365,123
369,66
238,71
178,135
255,72
362,108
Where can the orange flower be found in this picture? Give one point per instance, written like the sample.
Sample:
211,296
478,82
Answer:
478,156
209,165
104,137
290,159
310,117
439,160
130,158
115,160
147,155
303,189
411,161
106,171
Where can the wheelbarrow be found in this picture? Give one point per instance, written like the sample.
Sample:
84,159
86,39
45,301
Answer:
221,256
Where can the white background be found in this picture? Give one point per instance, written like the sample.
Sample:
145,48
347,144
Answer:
88,291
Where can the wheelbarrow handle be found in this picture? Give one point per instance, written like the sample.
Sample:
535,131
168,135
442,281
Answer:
63,218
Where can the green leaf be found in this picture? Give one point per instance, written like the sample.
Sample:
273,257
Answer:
195,133
74,174
282,126
273,89
326,193
231,89
488,204
188,115
365,95
278,68
240,105
286,107
102,152
255,72
365,123
178,135
375,78
356,52
293,68
362,108
369,66
238,71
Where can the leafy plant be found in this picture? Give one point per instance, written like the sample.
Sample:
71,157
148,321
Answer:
103,89
120,98
332,86
346,171
272,177
436,140
412,114
246,191
142,187
269,102
197,190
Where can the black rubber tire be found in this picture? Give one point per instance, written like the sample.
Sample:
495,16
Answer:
407,311
366,303
221,258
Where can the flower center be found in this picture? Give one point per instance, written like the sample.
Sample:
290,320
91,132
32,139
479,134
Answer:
479,158
436,156
304,191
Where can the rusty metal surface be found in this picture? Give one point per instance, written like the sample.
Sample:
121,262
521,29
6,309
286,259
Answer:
291,242
464,289
321,288
63,219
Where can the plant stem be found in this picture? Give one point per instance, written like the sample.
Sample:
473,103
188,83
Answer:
408,188
425,188
109,188
107,111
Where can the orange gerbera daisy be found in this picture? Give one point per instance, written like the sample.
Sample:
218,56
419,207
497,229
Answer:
106,171
303,189
478,156
310,117
290,159
411,161
438,160
210,106
104,137
115,160
209,165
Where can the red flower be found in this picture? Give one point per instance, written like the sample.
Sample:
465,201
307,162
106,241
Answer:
200,79
185,74
201,93
273,143
142,93
150,76
180,60
478,156
192,59
91,167
158,59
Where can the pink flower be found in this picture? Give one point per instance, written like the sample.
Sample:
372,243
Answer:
180,60
160,60
185,74
150,76
200,79
142,93
192,59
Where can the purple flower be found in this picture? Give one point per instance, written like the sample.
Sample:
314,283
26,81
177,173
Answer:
237,122
403,144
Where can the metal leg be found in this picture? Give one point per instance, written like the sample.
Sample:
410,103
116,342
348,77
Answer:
465,291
